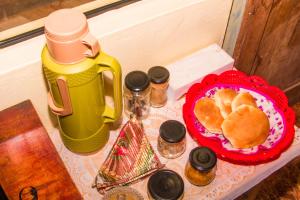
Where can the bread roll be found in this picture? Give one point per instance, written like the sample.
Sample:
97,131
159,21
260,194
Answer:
223,98
209,115
243,99
246,127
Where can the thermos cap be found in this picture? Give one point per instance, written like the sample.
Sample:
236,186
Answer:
68,37
65,25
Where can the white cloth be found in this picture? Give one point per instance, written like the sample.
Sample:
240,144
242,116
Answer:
230,182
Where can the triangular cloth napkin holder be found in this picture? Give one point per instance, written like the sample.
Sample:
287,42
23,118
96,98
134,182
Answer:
130,159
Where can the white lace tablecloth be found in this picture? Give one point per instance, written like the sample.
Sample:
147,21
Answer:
230,182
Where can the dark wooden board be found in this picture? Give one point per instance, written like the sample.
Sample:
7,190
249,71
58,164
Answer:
29,158
293,94
278,58
252,29
269,44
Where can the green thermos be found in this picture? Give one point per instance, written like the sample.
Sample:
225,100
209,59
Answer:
73,66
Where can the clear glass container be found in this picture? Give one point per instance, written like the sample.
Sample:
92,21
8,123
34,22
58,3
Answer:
123,193
137,94
159,77
201,167
165,184
171,141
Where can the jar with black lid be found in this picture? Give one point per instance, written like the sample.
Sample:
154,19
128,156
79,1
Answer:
159,78
165,184
201,167
171,141
137,94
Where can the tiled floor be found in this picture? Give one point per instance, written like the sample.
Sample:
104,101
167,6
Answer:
283,184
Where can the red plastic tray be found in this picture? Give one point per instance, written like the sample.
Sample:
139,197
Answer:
270,99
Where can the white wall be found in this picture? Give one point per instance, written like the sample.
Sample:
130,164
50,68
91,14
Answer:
143,34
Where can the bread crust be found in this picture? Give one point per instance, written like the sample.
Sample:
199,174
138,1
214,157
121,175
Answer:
224,98
246,127
209,115
243,99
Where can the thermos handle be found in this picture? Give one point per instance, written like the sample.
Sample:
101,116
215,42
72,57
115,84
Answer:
92,43
65,97
108,63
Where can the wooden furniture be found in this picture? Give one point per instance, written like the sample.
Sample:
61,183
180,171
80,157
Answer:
29,158
268,44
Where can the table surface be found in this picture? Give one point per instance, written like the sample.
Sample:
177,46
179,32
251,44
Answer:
230,182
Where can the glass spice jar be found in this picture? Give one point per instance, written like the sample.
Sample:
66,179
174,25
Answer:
159,77
123,193
137,94
165,184
200,170
171,141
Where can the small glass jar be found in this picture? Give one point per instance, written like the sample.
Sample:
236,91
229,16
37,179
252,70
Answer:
123,193
200,170
165,184
159,77
137,94
171,141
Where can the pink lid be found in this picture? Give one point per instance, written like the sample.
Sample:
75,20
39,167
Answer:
68,37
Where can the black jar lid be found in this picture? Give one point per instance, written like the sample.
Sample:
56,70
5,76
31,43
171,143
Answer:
172,131
158,74
137,81
202,159
165,184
